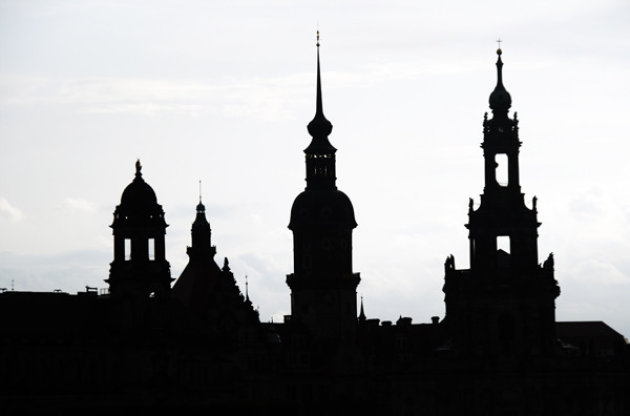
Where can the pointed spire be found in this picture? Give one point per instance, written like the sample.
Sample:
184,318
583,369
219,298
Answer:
319,108
500,99
319,127
201,209
362,317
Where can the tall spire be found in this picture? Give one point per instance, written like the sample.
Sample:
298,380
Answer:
319,127
319,110
500,99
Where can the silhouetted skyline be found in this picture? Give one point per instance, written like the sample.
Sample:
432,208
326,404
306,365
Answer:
221,95
199,347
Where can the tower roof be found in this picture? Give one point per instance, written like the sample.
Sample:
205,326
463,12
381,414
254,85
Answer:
500,99
138,195
138,204
319,128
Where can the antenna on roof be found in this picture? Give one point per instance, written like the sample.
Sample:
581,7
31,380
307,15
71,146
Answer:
200,191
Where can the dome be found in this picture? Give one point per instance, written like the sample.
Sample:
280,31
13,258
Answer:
138,196
500,99
138,203
321,208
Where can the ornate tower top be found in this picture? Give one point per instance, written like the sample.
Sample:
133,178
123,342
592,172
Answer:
500,99
201,235
319,128
139,267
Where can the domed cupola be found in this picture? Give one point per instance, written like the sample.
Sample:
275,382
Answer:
323,285
138,204
139,267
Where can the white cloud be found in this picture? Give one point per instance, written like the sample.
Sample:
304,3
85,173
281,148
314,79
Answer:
79,205
595,271
9,211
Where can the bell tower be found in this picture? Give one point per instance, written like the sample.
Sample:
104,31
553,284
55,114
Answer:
323,285
140,268
505,302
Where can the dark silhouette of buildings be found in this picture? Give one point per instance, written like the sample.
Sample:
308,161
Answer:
200,348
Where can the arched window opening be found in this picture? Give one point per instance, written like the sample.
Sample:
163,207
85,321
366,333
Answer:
503,243
501,171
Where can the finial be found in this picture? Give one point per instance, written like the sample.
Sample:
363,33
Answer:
200,191
138,168
318,38
226,264
246,289
499,51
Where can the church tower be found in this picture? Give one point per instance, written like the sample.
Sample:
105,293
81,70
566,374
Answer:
209,291
139,268
323,285
505,302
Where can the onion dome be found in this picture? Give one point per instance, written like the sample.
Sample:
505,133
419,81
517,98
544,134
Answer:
500,99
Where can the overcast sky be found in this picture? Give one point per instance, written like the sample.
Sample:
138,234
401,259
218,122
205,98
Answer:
222,92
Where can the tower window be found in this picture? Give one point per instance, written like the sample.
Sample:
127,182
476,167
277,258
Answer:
151,249
503,243
127,249
501,171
